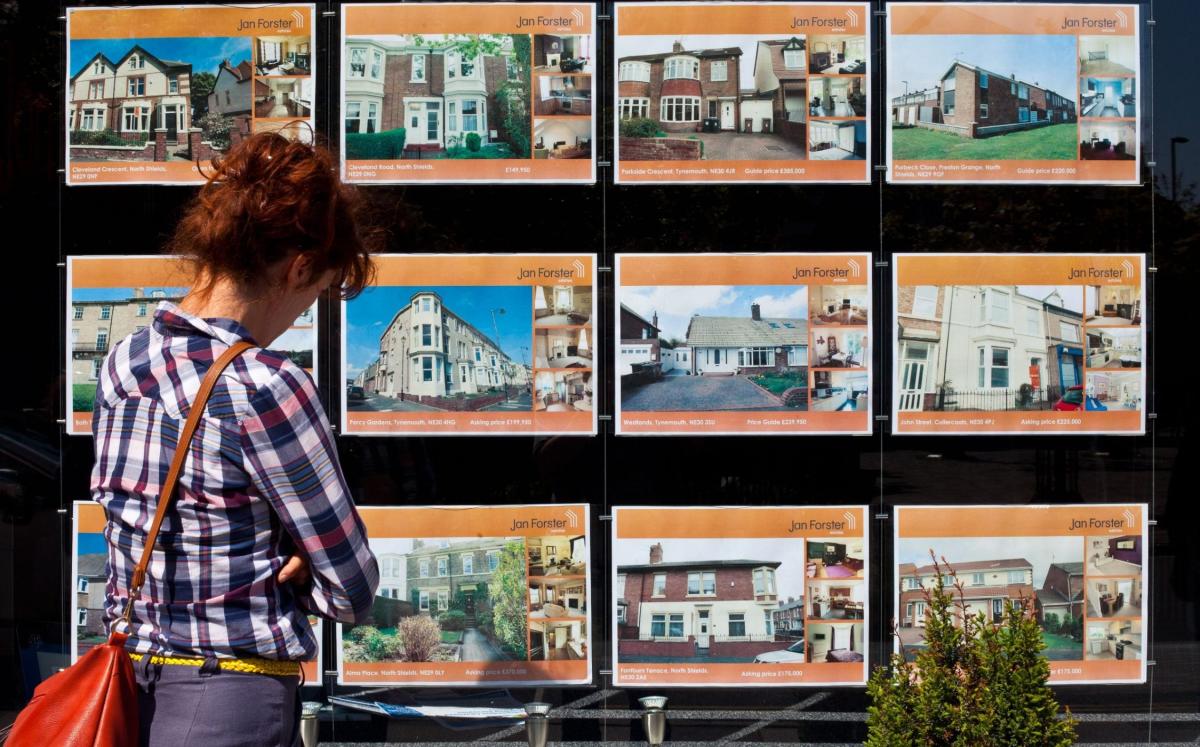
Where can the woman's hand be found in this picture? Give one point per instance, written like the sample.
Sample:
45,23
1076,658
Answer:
295,571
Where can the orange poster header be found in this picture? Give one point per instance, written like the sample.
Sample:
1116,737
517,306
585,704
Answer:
1018,269
1012,18
785,19
485,269
190,21
129,272
1020,521
421,522
556,19
89,517
739,522
744,269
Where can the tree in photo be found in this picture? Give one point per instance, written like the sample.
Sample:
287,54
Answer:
421,637
975,682
508,589
202,85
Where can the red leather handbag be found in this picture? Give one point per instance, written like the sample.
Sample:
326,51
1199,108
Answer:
94,703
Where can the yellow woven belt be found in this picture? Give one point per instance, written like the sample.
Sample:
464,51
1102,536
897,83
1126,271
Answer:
252,664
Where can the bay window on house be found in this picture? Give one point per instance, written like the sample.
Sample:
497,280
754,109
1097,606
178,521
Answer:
756,357
680,109
427,369
353,116
681,67
358,62
764,581
634,71
372,117
376,64
633,107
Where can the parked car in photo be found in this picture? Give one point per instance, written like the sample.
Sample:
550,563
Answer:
355,393
1074,400
792,654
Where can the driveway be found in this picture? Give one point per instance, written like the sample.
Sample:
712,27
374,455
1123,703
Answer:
749,146
698,394
380,403
476,647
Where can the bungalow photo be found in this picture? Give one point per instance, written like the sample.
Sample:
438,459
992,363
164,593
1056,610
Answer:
725,97
461,96
1113,305
989,347
1047,577
158,99
1114,641
983,97
1114,556
444,599
838,304
713,348
562,305
1114,390
839,391
562,138
704,600
563,391
1114,347
562,347
839,348
1114,597
439,348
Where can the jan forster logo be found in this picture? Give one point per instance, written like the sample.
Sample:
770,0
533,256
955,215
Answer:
846,523
272,24
827,23
1119,20
851,270
572,21
570,520
1124,272
576,271
1126,521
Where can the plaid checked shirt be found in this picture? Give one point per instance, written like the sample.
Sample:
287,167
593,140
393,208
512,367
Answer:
262,482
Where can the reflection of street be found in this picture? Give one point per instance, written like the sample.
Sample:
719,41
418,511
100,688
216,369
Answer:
520,402
476,647
380,403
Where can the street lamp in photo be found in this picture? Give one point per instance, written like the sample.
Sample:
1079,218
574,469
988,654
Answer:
499,351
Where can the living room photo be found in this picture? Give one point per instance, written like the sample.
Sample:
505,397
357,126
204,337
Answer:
1113,305
838,304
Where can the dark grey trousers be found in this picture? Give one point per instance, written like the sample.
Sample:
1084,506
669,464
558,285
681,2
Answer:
185,705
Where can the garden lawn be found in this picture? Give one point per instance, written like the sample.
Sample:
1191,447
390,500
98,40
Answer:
778,384
1059,646
451,636
83,397
1057,142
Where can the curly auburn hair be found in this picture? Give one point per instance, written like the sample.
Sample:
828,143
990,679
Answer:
266,198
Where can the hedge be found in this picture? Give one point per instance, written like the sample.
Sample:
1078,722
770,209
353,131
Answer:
375,146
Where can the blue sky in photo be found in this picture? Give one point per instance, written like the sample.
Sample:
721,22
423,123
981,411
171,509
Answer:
122,294
675,304
368,316
1039,551
203,52
1045,59
92,543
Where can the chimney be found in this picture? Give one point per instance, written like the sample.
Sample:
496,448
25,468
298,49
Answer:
677,46
139,292
654,320
656,553
755,312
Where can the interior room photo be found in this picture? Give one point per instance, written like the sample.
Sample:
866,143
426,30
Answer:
837,140
1114,305
837,97
834,391
283,55
562,347
1114,348
562,138
839,348
563,96
1114,556
562,305
836,600
557,556
1107,55
562,392
1116,390
565,54
1107,97
1107,141
834,642
551,640
838,304
285,98
1113,641
832,55
1114,597
555,598
835,559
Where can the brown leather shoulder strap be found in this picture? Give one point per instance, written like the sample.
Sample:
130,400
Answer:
167,495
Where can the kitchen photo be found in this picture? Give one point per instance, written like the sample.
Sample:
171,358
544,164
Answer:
1114,641
562,391
836,600
563,96
558,640
839,391
1114,347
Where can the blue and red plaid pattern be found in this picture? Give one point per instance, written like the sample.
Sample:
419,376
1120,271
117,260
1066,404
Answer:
261,483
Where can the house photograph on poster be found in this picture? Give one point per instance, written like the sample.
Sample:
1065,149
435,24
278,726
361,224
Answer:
989,347
1048,574
445,599
439,348
725,97
713,348
982,97
461,96
150,99
700,600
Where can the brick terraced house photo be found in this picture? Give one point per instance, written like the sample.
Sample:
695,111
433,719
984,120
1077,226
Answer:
439,96
990,97
453,348
716,348
721,98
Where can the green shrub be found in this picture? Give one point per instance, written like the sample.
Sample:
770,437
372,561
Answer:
483,620
215,129
975,682
376,146
453,620
101,137
640,127
474,142
83,397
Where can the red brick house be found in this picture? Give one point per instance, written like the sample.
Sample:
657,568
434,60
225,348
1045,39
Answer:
640,350
133,96
1062,592
681,87
919,310
714,608
987,586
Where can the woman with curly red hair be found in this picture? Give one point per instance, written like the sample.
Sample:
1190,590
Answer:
262,532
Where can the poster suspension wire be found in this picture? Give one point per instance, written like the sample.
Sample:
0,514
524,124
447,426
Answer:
1152,424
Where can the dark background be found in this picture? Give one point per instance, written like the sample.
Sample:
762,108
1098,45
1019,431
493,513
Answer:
42,471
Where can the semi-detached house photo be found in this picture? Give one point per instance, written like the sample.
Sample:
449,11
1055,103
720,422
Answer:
986,97
439,348
1048,577
437,96
717,97
713,348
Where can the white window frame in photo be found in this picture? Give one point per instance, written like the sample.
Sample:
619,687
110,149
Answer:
723,66
423,600
423,568
633,107
635,71
668,103
793,59
351,63
424,69
729,621
654,590
467,561
347,118
681,67
376,65
443,566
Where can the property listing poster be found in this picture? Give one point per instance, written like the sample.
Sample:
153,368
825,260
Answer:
469,92
743,344
1013,93
112,297
154,93
1081,567
89,572
739,596
457,344
474,595
1019,343
724,92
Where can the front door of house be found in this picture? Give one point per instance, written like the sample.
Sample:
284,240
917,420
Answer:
469,603
171,121
912,385
997,609
702,630
728,121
